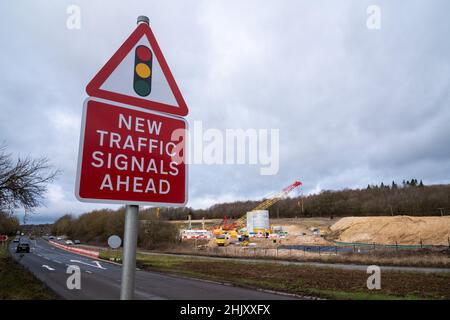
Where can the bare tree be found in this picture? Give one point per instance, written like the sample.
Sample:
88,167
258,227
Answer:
23,182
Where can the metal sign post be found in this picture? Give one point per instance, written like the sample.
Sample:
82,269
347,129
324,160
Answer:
129,252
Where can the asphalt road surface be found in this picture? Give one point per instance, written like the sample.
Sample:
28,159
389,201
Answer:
101,280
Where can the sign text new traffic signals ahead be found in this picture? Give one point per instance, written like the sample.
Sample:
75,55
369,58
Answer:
131,155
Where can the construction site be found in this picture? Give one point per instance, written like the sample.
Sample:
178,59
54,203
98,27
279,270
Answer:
256,230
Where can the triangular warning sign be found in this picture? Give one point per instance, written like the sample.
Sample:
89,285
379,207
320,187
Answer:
137,74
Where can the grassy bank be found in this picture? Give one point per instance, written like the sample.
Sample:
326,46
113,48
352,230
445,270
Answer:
423,258
302,280
17,283
405,258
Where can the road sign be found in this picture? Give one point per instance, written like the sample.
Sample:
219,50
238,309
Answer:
138,74
3,237
132,147
130,155
114,241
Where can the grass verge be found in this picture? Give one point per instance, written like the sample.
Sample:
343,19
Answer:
303,280
407,258
16,283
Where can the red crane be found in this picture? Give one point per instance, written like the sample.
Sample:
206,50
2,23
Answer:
240,223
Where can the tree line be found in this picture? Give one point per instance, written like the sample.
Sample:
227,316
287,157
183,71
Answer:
411,197
96,226
408,198
9,224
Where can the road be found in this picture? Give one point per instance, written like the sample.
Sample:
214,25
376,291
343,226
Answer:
101,280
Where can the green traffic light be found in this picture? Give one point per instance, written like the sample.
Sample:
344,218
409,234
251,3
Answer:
142,88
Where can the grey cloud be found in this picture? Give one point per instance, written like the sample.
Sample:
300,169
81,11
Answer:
353,106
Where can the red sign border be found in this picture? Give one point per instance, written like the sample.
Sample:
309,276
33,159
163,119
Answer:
80,158
93,87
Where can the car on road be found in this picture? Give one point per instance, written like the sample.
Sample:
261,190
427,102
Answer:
16,239
76,241
51,237
23,247
59,238
69,242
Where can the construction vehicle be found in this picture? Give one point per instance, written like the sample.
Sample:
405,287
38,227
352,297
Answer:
224,226
242,221
220,240
245,239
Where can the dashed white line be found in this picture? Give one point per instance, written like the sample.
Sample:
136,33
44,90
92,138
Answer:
47,267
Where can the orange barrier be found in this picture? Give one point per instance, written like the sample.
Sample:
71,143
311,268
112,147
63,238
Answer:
83,252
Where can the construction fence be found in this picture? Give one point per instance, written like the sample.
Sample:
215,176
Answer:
297,251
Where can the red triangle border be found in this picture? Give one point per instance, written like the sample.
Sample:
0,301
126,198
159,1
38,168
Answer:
93,87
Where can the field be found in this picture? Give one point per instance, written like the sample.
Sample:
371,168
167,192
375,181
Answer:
304,280
382,230
392,240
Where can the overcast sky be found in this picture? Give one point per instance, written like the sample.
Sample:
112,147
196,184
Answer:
353,105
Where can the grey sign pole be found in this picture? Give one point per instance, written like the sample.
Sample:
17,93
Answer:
129,252
130,237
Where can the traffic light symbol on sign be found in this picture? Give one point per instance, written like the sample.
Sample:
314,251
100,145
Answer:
142,83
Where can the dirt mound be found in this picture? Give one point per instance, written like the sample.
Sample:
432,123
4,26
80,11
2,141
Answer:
405,230
303,225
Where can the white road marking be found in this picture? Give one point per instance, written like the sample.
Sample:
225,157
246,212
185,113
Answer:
87,271
57,261
97,264
46,266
